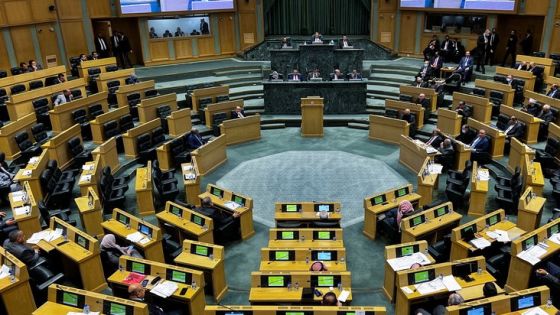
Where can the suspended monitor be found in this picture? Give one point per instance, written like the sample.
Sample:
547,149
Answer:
530,242
421,276
82,241
138,267
281,255
201,250
377,200
144,229
291,208
324,255
407,250
144,7
485,5
485,309
287,235
274,281
114,308
525,301
464,270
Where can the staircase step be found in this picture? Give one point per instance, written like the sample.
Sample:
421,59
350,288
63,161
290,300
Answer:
354,125
273,126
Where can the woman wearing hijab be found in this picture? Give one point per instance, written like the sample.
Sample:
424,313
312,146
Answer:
395,216
114,251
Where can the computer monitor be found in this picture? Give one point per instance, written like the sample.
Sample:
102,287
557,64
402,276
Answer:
401,192
463,270
198,220
468,232
485,309
123,218
281,255
287,235
525,301
201,250
441,211
217,192
355,313
176,211
138,267
291,207
275,281
377,200
114,308
82,241
324,207
417,220
294,313
231,312
493,219
325,281
421,276
324,255
323,235
553,230
238,200
144,229
70,299
178,276
530,242
407,250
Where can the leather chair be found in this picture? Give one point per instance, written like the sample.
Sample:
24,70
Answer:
222,98
50,81
3,74
289,224
451,174
67,176
150,93
80,116
158,136
35,85
390,230
95,110
500,79
133,100
81,156
405,98
74,63
540,54
113,197
502,122
18,88
3,96
163,112
41,107
110,129
179,152
145,150
167,191
93,73
112,87
25,145
508,194
498,266
16,70
40,278
479,92
496,98
56,194
455,191
164,176
547,157
47,214
441,250
217,118
126,123
76,94
111,68
39,133
120,182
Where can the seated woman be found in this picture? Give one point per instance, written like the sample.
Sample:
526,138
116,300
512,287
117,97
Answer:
114,251
318,266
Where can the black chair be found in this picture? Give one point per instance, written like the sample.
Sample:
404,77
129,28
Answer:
133,101
222,98
41,107
150,93
540,54
40,278
179,151
16,89
79,116
68,176
3,73
25,145
508,180
80,155
113,197
455,191
441,250
74,63
110,129
163,176
163,112
39,133
3,96
16,70
508,195
57,195
479,91
158,136
47,214
35,85
50,81
112,87
451,174
93,73
95,110
500,78
126,123
111,68
547,157
76,94
167,191
502,122
391,113
289,224
496,98
405,98
145,150
116,182
498,266
388,228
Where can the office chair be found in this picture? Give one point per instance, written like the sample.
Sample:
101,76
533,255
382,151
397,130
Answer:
112,87
540,54
163,112
547,157
95,110
441,250
150,93
164,176
326,224
496,98
57,195
111,68
47,214
125,123
179,151
80,155
3,74
120,182
111,129
16,70
67,176
76,94
80,117
502,122
508,195
222,98
158,136
40,278
146,152
405,98
3,96
112,197
25,145
35,85
289,224
50,81
16,89
133,101
498,266
39,133
41,108
167,190
479,92
508,180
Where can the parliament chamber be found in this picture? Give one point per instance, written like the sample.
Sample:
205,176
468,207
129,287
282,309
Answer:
280,157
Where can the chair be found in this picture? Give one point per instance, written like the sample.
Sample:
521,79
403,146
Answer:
540,54
16,70
80,155
41,107
479,91
113,197
111,68
441,250
3,96
150,93
110,129
163,112
496,98
68,176
500,78
507,195
451,174
74,63
502,122
93,73
112,87
56,194
115,182
76,94
39,133
179,152
145,150
46,214
3,73
50,81
133,101
40,278
498,266
222,98
79,116
289,224
164,176
547,157
507,181
455,191
167,191
158,136
392,113
25,145
95,110
405,98
18,88
35,85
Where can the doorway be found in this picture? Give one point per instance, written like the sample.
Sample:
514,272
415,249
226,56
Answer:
128,26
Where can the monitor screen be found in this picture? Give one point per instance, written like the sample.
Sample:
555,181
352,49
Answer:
530,242
82,241
275,281
217,192
477,310
133,7
325,281
201,250
70,299
179,276
144,229
113,308
324,255
463,270
287,235
293,313
377,200
401,192
486,5
123,218
290,208
441,211
198,220
417,220
421,276
553,230
467,233
282,255
138,267
525,301
324,207
238,200
176,211
493,220
322,235
407,250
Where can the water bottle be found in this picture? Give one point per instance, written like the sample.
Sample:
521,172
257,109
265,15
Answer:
193,285
297,286
302,238
339,286
342,259
549,303
306,260
211,256
12,276
120,268
289,286
479,271
86,309
332,42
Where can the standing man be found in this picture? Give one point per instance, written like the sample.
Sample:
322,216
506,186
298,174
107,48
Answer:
204,27
527,43
101,46
490,53
511,49
116,46
126,49
482,47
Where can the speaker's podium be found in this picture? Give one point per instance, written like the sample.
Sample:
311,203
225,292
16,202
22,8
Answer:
312,116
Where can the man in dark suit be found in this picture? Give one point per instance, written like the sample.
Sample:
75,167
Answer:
426,71
447,154
15,244
553,92
514,128
482,46
435,64
480,147
527,43
436,139
337,75
464,110
492,46
344,43
101,46
447,49
238,113
194,139
465,67
295,76
6,226
511,49
408,117
204,27
467,135
547,117
221,220
354,75
420,83
121,49
429,52
522,66
316,38
425,103
532,107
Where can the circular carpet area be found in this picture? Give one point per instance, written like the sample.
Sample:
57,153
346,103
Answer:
311,176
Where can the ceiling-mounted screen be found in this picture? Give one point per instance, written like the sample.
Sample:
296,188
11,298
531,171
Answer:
135,7
473,5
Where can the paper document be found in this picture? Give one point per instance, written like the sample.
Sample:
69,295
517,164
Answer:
532,255
403,263
451,284
164,289
483,175
343,296
85,178
19,196
535,311
54,235
22,210
135,237
499,235
555,238
435,168
33,160
4,271
190,176
430,287
187,167
232,205
430,150
407,290
88,167
480,243
144,241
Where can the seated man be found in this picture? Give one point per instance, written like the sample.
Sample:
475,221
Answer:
394,216
553,92
467,135
425,71
317,38
547,117
425,103
354,75
532,107
464,110
330,299
6,226
294,76
420,83
15,244
221,219
63,98
274,76
285,43
337,75
480,147
315,74
406,115
194,139
239,112
550,276
436,139
465,67
447,156
514,130
522,66
344,43
454,299
136,292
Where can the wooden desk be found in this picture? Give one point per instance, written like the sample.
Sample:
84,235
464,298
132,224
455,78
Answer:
311,310
96,301
61,115
21,104
497,137
193,299
305,238
415,91
102,64
186,224
222,198
449,122
129,138
144,187
91,213
191,181
16,295
434,224
108,154
9,131
376,205
179,122
520,271
208,93
413,153
387,129
241,129
307,212
211,155
517,153
79,253
530,209
150,245
274,295
495,220
49,308
397,251
58,146
26,78
164,154
470,290
543,99
32,172
96,125
426,182
526,76
208,258
312,117
479,190
490,86
533,175
532,122
30,221
147,109
106,77
90,177
547,63
482,107
301,259
415,109
462,154
128,89
225,107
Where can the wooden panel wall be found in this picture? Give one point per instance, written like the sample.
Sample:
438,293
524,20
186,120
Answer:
48,42
4,60
227,33
23,46
98,8
536,7
555,41
247,22
183,48
407,44
72,30
387,19
206,46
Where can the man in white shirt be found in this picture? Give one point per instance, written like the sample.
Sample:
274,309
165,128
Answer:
65,97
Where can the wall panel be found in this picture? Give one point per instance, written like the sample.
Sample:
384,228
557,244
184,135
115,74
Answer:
70,9
4,60
19,12
99,8
48,41
388,5
183,48
227,33
247,29
159,50
536,7
23,46
407,39
386,29
72,30
206,46
555,40
40,10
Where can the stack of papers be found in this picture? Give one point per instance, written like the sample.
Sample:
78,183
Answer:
85,178
403,263
164,289
430,150
343,296
483,175
435,168
232,205
19,195
4,271
33,160
535,311
430,287
135,237
480,243
533,254
555,238
450,283
190,176
22,210
187,168
499,235
88,167
46,235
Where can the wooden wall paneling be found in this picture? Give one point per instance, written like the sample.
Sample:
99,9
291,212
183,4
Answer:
99,8
206,46
69,9
74,37
18,12
48,42
159,50
386,29
23,45
407,39
555,40
227,33
4,60
183,48
3,20
40,10
388,5
247,29
536,7
246,5
557,10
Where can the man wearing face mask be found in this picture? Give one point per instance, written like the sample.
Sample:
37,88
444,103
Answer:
467,135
